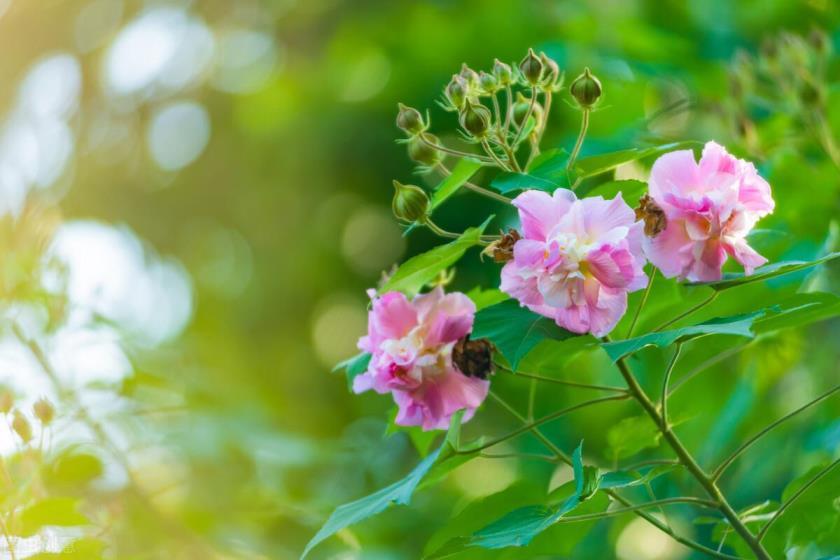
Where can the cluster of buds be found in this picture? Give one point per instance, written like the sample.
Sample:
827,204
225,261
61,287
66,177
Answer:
43,411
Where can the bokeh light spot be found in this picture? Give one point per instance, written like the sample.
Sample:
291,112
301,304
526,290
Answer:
177,134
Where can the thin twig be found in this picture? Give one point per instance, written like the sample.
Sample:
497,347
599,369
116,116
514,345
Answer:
655,503
453,152
584,126
704,366
518,138
641,304
563,382
664,399
475,188
688,312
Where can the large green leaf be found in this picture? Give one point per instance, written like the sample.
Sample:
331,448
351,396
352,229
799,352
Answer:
799,310
50,512
739,325
733,280
546,173
631,435
630,189
595,165
485,298
419,270
354,512
551,165
461,173
515,330
354,366
509,182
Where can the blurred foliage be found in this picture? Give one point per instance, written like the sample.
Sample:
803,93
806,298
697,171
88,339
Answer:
230,438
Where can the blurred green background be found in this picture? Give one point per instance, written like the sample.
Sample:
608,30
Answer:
215,177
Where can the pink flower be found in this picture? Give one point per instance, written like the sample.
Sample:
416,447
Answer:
411,347
577,259
710,208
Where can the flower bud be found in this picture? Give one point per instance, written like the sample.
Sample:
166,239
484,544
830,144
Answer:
502,72
475,119
7,401
488,83
469,75
819,41
586,89
520,109
44,411
421,152
531,68
456,92
811,94
551,74
410,120
410,202
21,426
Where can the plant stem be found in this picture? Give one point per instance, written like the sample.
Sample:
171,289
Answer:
562,456
688,312
691,464
475,188
794,497
584,126
704,366
492,154
536,456
664,399
641,305
747,444
543,125
563,382
508,152
508,108
453,152
655,503
437,230
518,137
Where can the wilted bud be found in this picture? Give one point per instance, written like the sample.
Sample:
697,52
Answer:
410,120
469,75
652,215
586,89
473,358
520,109
502,72
421,152
7,401
502,249
487,83
551,72
21,426
531,68
475,119
44,411
456,91
410,202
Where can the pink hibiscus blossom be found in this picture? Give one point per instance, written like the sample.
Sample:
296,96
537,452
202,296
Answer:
577,259
411,343
710,208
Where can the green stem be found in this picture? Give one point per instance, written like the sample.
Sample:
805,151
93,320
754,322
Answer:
688,312
518,137
641,304
664,399
543,125
453,152
563,382
704,366
508,108
439,231
584,126
787,503
655,503
691,464
747,444
475,188
536,456
502,165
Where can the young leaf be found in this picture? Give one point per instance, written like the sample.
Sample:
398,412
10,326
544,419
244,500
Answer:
485,298
739,325
515,330
461,173
397,493
595,165
354,366
509,182
417,271
519,527
733,280
49,512
631,435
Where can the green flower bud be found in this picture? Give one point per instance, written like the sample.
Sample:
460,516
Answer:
586,89
469,76
475,119
520,109
421,152
531,68
21,426
44,411
551,74
456,92
502,72
811,94
410,202
819,41
7,401
488,83
410,120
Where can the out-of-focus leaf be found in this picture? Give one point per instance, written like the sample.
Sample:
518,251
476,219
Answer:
630,190
631,435
595,165
739,325
627,479
733,280
485,298
50,512
72,470
80,549
799,310
354,366
420,439
515,330
453,435
509,182
461,173
417,271
398,493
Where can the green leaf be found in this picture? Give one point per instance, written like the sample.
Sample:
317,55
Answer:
551,165
453,435
50,512
398,493
461,173
485,298
733,280
799,310
420,439
630,189
595,165
519,527
515,330
631,435
419,270
72,470
80,549
354,366
627,479
508,182
738,325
